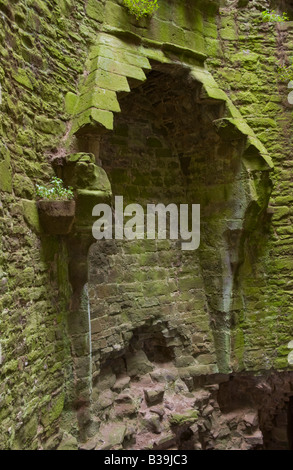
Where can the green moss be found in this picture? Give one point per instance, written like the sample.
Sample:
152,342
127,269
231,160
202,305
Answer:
245,58
117,15
140,8
29,430
81,157
228,33
239,345
107,80
189,416
86,200
49,248
71,100
52,414
68,443
22,77
99,98
23,186
50,126
84,174
95,10
121,68
215,93
9,367
212,47
93,118
5,176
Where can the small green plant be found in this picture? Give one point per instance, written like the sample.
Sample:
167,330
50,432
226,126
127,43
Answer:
140,8
271,16
285,72
56,191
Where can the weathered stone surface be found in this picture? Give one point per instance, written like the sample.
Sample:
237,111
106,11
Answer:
151,423
68,443
125,397
31,215
169,144
111,435
188,417
121,383
255,439
56,217
91,443
105,399
154,395
164,376
5,172
251,419
165,441
159,410
124,410
106,380
138,364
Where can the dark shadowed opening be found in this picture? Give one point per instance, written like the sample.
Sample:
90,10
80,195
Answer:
290,424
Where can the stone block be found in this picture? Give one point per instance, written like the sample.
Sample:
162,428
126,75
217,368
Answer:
31,215
188,417
105,380
105,399
121,383
120,68
5,171
124,410
93,117
165,441
111,435
137,364
95,10
86,200
68,442
151,423
104,79
121,55
99,98
154,396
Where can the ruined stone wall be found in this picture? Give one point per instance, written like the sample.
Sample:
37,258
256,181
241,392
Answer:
244,61
43,48
151,279
225,308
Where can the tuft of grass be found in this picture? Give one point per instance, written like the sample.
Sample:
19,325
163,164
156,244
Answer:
272,17
56,191
140,8
285,72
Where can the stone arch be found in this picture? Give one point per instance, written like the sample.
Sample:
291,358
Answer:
224,187
199,137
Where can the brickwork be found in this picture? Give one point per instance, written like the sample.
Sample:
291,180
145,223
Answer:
186,106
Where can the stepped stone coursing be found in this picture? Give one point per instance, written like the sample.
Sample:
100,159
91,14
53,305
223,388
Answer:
137,344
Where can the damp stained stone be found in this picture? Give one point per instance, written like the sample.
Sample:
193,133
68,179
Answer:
187,156
154,396
56,217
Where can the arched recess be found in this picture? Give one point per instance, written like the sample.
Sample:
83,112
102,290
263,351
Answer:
178,139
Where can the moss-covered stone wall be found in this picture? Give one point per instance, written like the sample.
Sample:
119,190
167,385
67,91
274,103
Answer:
43,48
245,65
